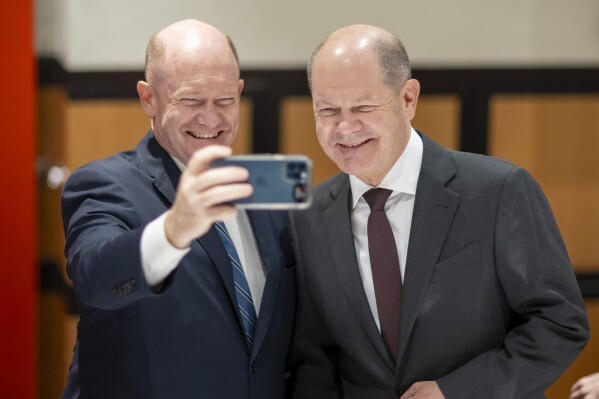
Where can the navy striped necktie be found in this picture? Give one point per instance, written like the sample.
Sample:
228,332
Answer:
242,289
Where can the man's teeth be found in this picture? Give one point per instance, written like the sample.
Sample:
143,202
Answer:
203,136
354,145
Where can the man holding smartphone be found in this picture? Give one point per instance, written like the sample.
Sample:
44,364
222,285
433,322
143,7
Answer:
174,302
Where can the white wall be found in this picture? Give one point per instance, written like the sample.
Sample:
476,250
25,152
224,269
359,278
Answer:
112,34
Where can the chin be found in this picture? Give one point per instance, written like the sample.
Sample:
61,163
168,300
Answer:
351,161
350,168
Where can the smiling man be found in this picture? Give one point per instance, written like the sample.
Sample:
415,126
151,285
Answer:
423,272
174,302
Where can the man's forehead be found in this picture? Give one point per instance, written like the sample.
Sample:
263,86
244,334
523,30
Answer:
352,95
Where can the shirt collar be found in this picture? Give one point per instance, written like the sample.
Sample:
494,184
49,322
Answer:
403,175
179,164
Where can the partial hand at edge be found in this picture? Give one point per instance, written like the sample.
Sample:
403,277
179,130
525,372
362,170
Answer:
586,388
424,390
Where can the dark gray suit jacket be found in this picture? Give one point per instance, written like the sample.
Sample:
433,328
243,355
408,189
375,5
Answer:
490,309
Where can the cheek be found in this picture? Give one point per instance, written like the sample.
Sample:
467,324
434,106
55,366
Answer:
230,116
323,130
322,136
170,116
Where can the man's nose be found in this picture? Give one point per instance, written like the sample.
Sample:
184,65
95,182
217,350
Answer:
209,116
348,124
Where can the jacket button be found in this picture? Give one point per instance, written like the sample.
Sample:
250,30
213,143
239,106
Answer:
253,367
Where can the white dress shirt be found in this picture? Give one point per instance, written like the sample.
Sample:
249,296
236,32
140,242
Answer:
160,258
402,178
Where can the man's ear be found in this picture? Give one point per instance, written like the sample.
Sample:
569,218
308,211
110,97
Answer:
146,96
411,91
240,88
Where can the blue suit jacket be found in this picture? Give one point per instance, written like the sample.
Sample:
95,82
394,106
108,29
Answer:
185,340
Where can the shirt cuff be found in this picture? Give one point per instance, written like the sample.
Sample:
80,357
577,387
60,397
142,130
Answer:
159,258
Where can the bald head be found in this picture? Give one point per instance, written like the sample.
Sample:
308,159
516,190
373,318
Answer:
187,39
192,89
351,44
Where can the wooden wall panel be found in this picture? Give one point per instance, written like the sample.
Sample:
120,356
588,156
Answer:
51,106
438,116
96,129
53,363
556,138
243,141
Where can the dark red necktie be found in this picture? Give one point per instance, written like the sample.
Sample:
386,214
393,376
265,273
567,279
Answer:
384,262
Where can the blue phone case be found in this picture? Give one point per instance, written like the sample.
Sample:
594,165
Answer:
279,181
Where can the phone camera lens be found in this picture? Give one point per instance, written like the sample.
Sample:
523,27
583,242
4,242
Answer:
299,193
296,170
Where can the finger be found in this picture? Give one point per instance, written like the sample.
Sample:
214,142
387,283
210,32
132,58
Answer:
410,392
201,159
222,212
587,386
580,393
224,194
217,177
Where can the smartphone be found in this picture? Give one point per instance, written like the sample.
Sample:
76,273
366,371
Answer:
279,181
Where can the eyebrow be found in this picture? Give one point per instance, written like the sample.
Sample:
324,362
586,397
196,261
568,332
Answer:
320,102
365,100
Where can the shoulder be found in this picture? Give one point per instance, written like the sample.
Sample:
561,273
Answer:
115,167
481,165
469,172
113,180
490,177
109,164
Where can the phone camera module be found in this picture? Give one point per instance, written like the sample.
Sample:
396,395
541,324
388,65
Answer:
296,170
299,193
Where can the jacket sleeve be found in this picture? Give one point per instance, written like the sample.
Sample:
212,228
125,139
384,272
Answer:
540,288
103,236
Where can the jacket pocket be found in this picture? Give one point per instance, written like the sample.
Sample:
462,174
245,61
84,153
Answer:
457,262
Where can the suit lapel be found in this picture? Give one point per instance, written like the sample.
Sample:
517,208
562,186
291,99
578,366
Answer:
337,219
434,209
156,162
260,222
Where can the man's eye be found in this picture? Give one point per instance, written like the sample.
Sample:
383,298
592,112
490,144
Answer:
190,101
327,112
225,101
365,108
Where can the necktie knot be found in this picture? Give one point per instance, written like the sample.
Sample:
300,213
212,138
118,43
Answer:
376,198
